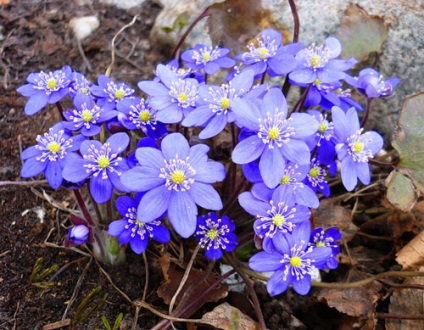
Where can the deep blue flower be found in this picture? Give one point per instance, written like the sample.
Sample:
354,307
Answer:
276,138
214,108
172,96
108,93
102,164
274,217
78,234
52,151
320,237
215,234
208,59
370,83
175,179
130,230
319,62
45,88
353,147
269,55
87,117
292,261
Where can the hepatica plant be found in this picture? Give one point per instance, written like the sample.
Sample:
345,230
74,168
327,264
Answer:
147,155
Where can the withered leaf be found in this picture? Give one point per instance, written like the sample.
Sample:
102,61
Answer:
412,255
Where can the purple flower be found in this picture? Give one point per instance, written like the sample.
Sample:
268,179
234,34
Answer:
211,60
316,178
215,235
274,217
79,84
270,55
175,179
45,88
101,163
78,234
320,237
87,116
130,230
214,108
276,138
353,147
292,261
318,62
173,96
108,93
370,83
50,155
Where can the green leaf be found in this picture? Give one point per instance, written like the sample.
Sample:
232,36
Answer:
400,191
361,34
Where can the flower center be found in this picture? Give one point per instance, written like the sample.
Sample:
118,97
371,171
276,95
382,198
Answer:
316,61
182,97
320,243
263,52
212,234
295,261
357,147
317,82
103,162
178,176
53,147
273,133
278,220
145,116
322,128
206,56
119,94
314,172
224,103
51,83
87,116
285,179
139,223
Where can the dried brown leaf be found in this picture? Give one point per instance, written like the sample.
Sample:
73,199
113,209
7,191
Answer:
412,255
228,317
407,302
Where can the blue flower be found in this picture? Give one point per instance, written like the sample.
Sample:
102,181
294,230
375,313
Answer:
45,88
292,261
269,55
86,116
108,93
50,155
274,217
78,234
275,138
316,178
214,108
79,84
319,62
208,59
215,235
175,179
372,84
173,96
130,230
353,147
320,237
101,163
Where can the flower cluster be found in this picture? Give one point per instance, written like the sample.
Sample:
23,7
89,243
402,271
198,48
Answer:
146,153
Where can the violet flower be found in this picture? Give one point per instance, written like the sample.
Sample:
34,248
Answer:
108,93
372,84
292,261
320,237
176,179
45,88
215,235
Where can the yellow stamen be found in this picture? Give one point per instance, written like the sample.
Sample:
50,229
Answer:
212,234
295,261
206,56
315,61
357,147
224,103
119,94
263,53
182,97
51,83
317,82
139,223
285,179
322,128
103,162
53,147
177,177
87,116
273,133
278,220
320,244
145,116
314,172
